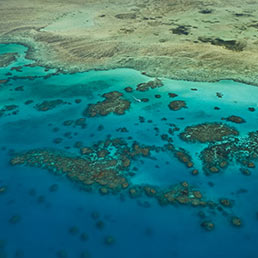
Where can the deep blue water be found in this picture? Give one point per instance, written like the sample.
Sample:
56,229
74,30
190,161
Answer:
140,227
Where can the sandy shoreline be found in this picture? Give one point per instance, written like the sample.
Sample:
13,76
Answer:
188,40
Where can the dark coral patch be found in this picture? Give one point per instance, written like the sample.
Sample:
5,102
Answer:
251,109
172,95
236,221
7,58
3,81
9,110
128,89
234,119
113,103
48,105
177,105
96,165
207,132
102,172
182,193
184,157
149,85
244,151
208,225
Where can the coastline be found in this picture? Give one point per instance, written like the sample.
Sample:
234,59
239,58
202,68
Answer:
181,41
32,53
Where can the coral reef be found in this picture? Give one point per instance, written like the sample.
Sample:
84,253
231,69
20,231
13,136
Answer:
243,151
226,202
182,193
3,189
7,59
236,221
149,85
9,110
234,119
48,105
15,219
184,157
113,103
128,89
177,105
208,225
53,188
207,132
109,240
172,95
95,166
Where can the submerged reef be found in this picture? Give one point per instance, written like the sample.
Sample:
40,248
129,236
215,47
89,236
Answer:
3,81
149,85
172,95
96,165
48,104
182,193
9,110
234,119
109,175
177,105
208,225
7,58
184,157
113,103
243,150
236,221
106,167
3,189
207,132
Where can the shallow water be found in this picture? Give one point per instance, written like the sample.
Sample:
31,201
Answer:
140,227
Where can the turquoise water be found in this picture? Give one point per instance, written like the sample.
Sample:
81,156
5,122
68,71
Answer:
141,227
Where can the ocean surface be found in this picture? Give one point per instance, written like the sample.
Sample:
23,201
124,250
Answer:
40,220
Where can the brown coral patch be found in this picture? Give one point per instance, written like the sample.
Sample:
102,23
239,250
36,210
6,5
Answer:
3,81
208,225
177,105
234,119
207,132
184,157
113,103
236,221
7,58
128,89
244,151
226,202
182,193
172,95
48,105
156,83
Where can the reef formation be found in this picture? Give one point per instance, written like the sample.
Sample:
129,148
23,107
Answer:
113,103
109,174
7,59
242,150
106,167
207,132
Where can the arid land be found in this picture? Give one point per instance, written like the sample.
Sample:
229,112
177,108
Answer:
181,39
